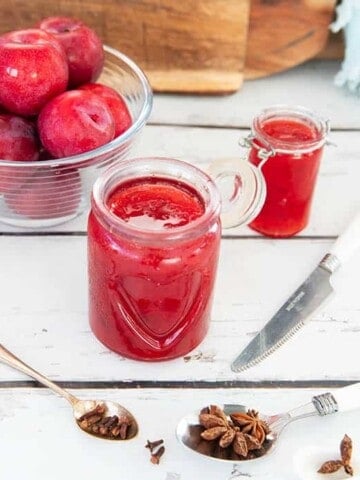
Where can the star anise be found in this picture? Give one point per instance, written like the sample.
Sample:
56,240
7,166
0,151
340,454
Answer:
251,423
216,424
242,432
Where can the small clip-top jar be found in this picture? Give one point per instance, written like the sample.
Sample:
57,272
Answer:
153,245
286,143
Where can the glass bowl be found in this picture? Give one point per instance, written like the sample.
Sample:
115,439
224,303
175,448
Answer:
49,192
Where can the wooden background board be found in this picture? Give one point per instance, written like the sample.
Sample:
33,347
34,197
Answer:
183,46
203,46
284,33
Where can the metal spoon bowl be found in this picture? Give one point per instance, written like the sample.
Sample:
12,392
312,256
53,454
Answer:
80,407
344,399
112,409
188,433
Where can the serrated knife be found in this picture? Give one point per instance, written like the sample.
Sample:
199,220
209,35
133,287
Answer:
300,306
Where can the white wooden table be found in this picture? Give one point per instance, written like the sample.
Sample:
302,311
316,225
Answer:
43,312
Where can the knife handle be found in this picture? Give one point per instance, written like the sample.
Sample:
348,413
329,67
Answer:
348,242
347,398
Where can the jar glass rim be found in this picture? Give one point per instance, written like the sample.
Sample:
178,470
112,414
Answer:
162,167
291,112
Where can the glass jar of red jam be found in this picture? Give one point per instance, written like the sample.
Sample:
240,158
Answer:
153,245
286,144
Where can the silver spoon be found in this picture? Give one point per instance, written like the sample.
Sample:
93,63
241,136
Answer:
83,410
341,400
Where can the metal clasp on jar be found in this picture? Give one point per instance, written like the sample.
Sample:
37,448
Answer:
264,153
328,142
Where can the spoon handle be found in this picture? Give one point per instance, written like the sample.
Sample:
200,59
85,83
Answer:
348,398
10,359
340,400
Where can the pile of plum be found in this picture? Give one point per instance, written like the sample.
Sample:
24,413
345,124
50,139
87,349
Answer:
50,105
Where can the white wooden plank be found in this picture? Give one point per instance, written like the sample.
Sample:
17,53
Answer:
310,85
39,439
336,197
43,314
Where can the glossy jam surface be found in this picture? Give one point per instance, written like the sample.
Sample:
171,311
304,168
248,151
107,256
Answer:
290,130
155,204
290,177
151,300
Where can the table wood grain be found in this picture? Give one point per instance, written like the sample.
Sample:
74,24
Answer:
44,310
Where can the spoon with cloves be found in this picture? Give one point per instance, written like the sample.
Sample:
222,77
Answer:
237,433
100,418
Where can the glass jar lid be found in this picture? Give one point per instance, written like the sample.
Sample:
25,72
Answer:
242,188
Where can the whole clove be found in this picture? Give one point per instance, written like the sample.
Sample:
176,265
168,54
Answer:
157,450
97,423
155,457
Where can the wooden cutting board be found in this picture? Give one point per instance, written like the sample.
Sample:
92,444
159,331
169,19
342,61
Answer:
195,45
284,33
184,46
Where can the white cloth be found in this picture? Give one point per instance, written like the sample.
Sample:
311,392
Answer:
348,18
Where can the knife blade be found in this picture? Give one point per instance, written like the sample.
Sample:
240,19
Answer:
302,304
287,320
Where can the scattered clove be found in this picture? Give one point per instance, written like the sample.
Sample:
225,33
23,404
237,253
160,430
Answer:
157,450
152,445
155,457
